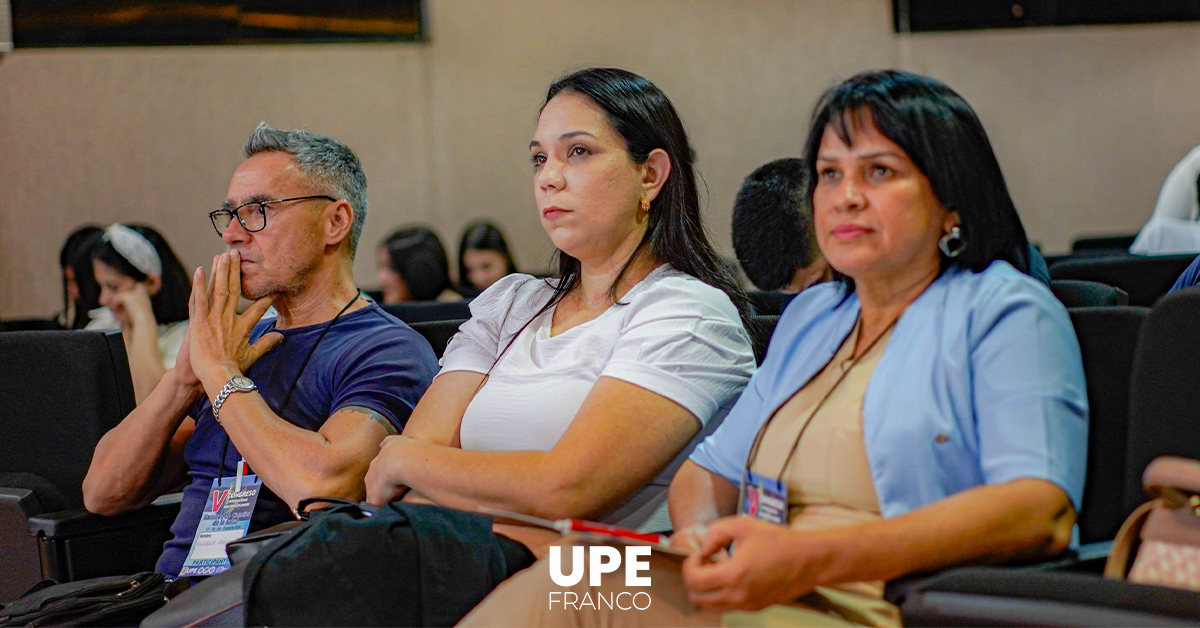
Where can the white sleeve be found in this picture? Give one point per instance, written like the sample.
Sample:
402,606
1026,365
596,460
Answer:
102,319
1177,198
170,339
684,341
496,315
1167,236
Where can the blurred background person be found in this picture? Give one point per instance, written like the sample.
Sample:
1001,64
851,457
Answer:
772,229
413,267
483,258
1173,227
80,292
144,291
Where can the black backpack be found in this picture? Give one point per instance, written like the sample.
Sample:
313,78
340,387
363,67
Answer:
108,601
395,565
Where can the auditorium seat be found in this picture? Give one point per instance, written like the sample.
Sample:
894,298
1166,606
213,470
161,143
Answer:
1144,277
438,333
997,596
1103,245
425,311
1164,401
29,324
1108,341
1164,408
767,303
760,329
1079,293
62,391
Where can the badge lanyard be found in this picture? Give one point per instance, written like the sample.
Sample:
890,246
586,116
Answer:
288,397
768,498
230,505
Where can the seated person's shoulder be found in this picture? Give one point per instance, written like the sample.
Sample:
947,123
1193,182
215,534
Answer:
667,291
1006,305
516,294
1001,286
376,334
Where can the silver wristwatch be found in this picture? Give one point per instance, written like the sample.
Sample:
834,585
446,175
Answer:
237,383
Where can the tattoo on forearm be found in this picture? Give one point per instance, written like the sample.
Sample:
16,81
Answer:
374,416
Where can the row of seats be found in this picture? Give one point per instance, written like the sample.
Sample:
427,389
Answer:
1071,292
1142,279
1145,277
412,312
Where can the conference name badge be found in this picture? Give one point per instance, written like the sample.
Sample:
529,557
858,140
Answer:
226,518
764,498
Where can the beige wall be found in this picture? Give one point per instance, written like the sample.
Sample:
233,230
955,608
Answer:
1086,121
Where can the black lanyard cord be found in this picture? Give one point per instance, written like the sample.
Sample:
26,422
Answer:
288,397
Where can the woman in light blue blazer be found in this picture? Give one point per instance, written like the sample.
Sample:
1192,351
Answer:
925,410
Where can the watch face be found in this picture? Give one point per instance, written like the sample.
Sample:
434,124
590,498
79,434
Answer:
242,382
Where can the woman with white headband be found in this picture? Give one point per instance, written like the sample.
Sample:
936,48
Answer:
144,290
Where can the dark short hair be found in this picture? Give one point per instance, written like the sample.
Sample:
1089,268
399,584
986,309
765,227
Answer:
646,120
772,224
945,140
171,303
76,254
417,255
482,236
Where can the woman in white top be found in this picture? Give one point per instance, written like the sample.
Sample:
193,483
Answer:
144,292
1173,227
568,397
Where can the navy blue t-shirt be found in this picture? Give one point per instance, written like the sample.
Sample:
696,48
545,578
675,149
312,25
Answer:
369,359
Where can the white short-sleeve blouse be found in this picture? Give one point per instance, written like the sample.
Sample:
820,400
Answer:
671,334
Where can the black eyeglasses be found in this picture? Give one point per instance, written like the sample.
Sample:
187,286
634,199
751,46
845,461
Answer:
252,215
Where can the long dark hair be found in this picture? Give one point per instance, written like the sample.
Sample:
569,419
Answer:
482,236
170,304
645,118
945,140
417,255
76,254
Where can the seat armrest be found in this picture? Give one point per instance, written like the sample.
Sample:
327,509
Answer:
76,544
80,522
1087,558
994,596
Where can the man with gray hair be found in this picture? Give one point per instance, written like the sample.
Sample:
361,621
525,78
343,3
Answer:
304,399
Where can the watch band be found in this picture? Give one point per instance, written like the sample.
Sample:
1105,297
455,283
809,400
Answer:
229,388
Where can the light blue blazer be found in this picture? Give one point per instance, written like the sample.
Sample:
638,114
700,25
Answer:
981,383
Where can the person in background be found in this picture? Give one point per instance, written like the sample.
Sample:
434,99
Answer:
1174,226
144,291
926,409
81,294
483,258
772,229
413,267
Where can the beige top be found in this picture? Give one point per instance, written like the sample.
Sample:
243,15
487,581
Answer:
829,478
